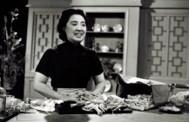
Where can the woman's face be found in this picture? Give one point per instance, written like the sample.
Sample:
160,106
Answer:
76,28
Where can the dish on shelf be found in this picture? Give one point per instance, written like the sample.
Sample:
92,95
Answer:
117,68
96,28
104,48
105,28
117,28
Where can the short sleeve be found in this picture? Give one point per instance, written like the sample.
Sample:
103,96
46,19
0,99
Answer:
45,63
96,65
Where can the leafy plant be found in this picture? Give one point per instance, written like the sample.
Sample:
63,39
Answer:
11,50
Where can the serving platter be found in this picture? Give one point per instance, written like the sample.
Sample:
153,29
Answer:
65,109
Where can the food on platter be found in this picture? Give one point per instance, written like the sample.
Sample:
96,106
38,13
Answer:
81,96
140,102
99,108
114,102
101,103
16,105
180,99
89,102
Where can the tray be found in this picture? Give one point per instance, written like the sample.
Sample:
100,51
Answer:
66,109
6,116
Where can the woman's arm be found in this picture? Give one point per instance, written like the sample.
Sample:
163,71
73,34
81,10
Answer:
40,85
100,84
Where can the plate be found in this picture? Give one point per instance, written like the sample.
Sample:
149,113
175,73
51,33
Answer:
43,109
45,105
170,109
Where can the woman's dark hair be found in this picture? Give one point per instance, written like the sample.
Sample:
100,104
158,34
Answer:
66,14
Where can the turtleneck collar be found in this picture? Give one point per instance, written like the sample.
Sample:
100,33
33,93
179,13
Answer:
71,45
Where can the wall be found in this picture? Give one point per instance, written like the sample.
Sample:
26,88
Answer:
49,3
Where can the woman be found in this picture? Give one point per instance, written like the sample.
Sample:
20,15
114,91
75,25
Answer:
69,65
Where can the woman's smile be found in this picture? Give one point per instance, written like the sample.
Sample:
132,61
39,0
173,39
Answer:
79,34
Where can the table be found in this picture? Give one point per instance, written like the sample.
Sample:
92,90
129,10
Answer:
135,116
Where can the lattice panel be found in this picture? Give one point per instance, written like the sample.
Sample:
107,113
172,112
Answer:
56,39
168,46
178,46
158,45
44,35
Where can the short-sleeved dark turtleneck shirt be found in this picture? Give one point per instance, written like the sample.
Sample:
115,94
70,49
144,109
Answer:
69,65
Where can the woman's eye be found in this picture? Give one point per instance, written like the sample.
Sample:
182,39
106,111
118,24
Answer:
74,24
83,24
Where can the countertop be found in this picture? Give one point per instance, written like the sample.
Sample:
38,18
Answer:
135,116
153,115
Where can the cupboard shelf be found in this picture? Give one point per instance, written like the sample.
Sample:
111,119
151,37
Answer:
105,34
110,54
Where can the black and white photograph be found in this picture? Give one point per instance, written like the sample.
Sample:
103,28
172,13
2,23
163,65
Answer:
94,61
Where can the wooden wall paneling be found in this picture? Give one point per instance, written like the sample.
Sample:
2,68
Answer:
42,34
164,45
